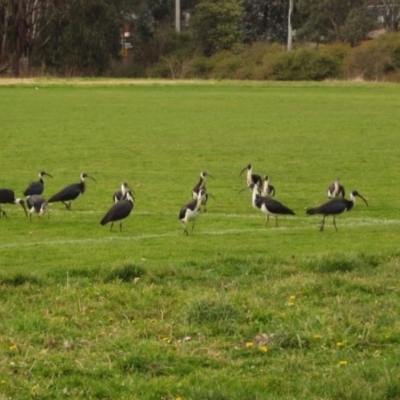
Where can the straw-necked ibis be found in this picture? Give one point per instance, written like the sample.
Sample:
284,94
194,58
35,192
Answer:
336,190
119,211
36,204
71,192
119,194
7,196
267,205
335,207
250,177
267,189
191,211
202,185
38,186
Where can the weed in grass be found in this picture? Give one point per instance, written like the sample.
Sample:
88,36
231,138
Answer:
126,272
18,279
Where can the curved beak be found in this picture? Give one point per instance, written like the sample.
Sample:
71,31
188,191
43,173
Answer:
211,195
87,176
45,173
241,172
210,177
240,191
365,201
23,206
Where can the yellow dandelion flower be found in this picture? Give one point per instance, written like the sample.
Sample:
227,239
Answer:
110,319
339,344
342,363
249,344
264,349
165,339
291,304
292,298
34,388
12,347
3,382
178,398
316,336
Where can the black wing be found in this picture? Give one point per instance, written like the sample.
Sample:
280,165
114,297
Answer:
34,188
70,192
117,212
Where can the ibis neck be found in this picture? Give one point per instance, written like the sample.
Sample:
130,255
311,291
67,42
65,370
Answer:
202,182
255,195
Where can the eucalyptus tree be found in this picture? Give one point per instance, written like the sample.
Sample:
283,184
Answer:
22,23
84,39
325,20
388,11
218,24
265,20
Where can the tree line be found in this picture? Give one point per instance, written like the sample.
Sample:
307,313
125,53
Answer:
84,37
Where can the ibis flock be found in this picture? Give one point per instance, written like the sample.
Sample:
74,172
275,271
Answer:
262,199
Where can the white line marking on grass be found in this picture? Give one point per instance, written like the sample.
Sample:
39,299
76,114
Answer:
246,216
348,223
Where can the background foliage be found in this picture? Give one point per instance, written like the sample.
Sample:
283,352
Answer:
75,37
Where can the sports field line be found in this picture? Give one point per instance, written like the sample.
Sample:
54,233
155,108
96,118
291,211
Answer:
255,215
349,223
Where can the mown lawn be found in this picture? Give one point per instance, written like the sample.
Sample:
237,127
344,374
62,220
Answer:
234,311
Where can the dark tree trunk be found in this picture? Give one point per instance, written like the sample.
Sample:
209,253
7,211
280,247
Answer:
20,32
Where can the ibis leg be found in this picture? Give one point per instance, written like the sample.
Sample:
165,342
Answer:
322,224
334,223
266,221
112,223
193,227
2,212
120,227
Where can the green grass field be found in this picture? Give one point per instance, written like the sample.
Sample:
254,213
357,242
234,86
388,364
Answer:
234,311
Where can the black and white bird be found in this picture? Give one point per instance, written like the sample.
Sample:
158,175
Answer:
267,189
267,205
119,211
202,185
120,193
7,196
336,190
335,207
71,192
250,177
38,186
37,204
191,211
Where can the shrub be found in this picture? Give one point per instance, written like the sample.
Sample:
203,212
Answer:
305,65
378,59
226,63
201,67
